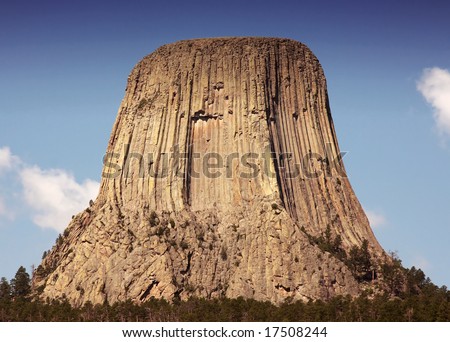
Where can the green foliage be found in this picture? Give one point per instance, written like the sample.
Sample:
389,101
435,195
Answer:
142,103
416,281
431,306
393,274
153,219
41,271
20,285
330,245
5,290
161,230
201,236
184,245
402,282
409,296
360,263
59,240
327,244
223,253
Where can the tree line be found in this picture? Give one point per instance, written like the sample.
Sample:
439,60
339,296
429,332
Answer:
407,296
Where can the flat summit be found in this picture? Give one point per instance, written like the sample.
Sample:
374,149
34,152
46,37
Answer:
222,178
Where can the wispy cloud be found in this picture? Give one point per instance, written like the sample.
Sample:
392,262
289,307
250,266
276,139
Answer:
434,85
52,196
376,219
7,159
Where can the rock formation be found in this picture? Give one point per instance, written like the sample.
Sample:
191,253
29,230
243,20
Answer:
222,167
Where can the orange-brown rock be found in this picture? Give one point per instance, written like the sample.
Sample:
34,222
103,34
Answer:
222,160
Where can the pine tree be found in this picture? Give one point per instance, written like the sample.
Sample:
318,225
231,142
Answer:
5,290
20,285
359,262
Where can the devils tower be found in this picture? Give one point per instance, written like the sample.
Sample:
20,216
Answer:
221,171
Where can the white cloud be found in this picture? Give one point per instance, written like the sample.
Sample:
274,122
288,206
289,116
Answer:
54,195
7,159
376,220
434,85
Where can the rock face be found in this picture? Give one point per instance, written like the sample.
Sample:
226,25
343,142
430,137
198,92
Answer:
222,164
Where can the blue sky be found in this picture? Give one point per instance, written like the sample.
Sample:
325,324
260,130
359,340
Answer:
63,71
